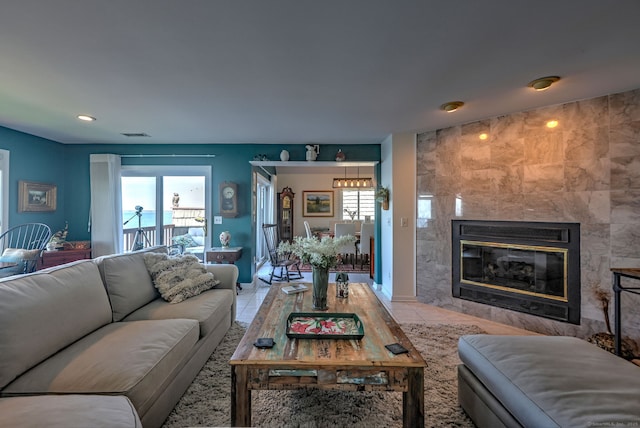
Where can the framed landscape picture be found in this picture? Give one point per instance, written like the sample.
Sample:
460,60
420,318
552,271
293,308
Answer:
317,203
36,196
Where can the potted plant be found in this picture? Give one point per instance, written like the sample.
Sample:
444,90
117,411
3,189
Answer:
321,254
382,196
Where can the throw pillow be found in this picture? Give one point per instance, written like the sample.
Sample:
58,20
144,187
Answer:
185,240
178,277
18,255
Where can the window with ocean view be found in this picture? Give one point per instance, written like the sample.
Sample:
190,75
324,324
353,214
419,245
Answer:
160,205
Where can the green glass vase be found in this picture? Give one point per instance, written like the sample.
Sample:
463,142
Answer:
320,288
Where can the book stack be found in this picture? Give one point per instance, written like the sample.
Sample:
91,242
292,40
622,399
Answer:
294,288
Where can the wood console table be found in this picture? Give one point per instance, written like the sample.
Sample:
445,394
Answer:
60,257
224,255
618,274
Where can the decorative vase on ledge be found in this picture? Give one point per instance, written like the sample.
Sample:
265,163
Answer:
320,288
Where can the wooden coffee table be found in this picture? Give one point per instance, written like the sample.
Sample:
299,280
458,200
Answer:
349,365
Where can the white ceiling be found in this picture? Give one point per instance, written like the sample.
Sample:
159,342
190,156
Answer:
299,71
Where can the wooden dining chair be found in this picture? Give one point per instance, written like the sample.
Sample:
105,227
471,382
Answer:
347,251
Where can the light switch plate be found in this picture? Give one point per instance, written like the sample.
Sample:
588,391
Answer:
217,219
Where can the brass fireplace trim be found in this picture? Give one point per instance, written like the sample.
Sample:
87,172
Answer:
564,251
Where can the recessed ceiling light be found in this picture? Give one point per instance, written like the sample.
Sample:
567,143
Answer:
451,106
543,83
483,136
552,123
135,134
86,118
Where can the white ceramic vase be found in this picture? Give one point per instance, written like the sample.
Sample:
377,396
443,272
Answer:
284,156
225,238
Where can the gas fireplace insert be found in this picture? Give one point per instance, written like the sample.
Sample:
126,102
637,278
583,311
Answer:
530,267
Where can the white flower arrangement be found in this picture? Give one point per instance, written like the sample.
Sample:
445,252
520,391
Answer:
319,253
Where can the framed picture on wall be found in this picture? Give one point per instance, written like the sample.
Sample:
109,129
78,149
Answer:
317,203
36,196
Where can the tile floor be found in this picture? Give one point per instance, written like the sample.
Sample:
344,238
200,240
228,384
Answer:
251,296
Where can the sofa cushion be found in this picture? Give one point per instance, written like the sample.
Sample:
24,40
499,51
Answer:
178,278
65,411
185,240
43,312
127,281
135,359
197,233
19,256
209,308
554,381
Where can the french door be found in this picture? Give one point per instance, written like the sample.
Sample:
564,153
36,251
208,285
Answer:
264,214
160,203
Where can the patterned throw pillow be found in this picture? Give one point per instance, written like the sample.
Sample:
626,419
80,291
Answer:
178,277
185,240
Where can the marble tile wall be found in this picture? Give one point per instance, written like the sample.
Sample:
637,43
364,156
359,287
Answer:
586,170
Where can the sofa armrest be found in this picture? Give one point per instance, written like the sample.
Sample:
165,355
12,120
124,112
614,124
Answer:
226,273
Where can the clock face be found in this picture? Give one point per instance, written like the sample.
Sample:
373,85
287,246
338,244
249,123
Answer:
228,199
228,192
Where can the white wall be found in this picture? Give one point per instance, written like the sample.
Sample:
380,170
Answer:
404,215
398,173
386,218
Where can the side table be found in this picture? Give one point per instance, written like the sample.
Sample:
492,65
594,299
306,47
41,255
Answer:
224,254
617,289
55,258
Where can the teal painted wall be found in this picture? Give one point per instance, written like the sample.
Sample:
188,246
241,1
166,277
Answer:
35,159
67,166
231,163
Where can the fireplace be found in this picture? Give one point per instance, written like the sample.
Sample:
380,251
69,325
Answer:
529,267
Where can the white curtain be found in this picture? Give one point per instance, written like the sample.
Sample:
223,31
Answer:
4,190
106,204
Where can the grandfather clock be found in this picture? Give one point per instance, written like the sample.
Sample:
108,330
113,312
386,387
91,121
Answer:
285,214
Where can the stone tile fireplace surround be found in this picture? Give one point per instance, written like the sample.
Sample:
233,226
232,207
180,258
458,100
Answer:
586,170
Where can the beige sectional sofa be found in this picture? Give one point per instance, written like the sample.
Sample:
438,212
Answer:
545,381
96,333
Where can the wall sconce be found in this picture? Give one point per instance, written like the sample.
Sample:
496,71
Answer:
451,106
543,83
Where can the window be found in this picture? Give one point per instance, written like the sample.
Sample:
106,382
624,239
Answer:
425,203
360,203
